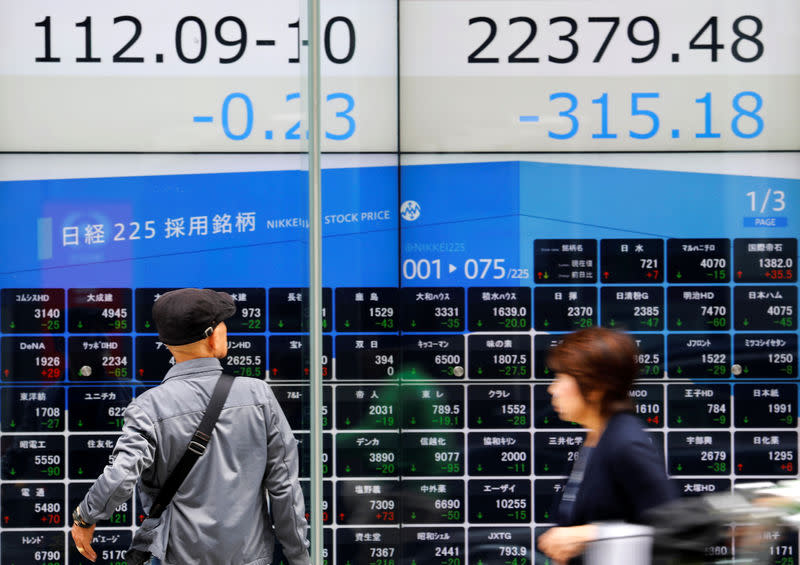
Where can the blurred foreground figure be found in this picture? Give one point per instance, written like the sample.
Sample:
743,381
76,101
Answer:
618,475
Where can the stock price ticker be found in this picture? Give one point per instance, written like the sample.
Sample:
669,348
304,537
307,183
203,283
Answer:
436,415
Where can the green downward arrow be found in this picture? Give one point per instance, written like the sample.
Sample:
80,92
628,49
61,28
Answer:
80,470
746,322
612,323
347,421
280,323
413,468
413,515
480,420
80,324
347,469
746,420
347,323
546,515
678,322
680,467
679,371
413,420
147,324
13,424
546,467
12,325
12,472
679,420
678,275
480,467
480,370
80,423
480,515
546,323
546,419
413,323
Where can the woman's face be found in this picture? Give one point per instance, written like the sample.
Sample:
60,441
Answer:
567,399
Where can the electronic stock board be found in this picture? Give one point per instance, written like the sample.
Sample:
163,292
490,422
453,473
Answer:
446,276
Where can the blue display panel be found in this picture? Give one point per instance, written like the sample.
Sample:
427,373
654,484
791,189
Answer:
445,285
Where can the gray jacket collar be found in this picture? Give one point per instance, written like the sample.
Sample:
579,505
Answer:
193,367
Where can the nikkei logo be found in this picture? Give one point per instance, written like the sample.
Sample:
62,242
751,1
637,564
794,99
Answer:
410,210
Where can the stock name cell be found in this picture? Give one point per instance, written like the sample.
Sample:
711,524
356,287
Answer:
432,357
367,502
771,405
375,547
122,515
556,451
38,359
289,309
28,409
701,487
499,309
368,357
544,413
367,454
98,409
99,310
499,406
432,406
444,546
500,546
698,355
765,260
501,453
327,501
89,455
766,356
433,501
765,453
632,260
564,309
250,314
304,454
499,356
500,501
367,407
32,310
565,261
289,357
110,546
650,357
768,308
295,402
33,505
542,344
43,548
432,454
32,458
699,308
247,356
699,453
698,260
93,358
638,308
648,404
369,309
434,309
546,496
699,406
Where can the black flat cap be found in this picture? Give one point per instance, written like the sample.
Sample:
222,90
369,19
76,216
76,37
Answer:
187,315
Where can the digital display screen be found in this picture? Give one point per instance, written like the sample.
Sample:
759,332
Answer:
472,215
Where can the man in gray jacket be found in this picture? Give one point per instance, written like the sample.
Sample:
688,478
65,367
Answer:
220,514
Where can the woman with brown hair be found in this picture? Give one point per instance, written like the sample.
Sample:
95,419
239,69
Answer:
618,474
